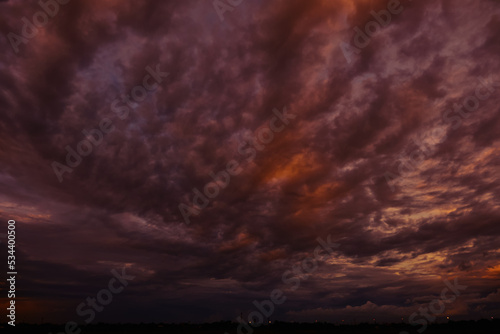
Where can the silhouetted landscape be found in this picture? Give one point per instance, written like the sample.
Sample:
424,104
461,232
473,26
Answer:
479,327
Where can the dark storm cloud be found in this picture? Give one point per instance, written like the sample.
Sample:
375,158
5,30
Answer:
323,174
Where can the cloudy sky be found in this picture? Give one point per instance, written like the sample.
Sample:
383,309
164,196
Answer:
377,151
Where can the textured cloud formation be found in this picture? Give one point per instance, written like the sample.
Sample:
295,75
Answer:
339,168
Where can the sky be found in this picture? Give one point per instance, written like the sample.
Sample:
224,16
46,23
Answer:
116,116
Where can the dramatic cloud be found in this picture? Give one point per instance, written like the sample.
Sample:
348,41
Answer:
393,152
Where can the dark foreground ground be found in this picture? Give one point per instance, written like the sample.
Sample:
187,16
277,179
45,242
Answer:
482,326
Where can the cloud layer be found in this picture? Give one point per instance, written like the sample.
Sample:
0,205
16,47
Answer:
356,126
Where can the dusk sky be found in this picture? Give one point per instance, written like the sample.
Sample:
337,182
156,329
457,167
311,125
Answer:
116,116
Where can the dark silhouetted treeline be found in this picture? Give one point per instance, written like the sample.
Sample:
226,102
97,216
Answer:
455,327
